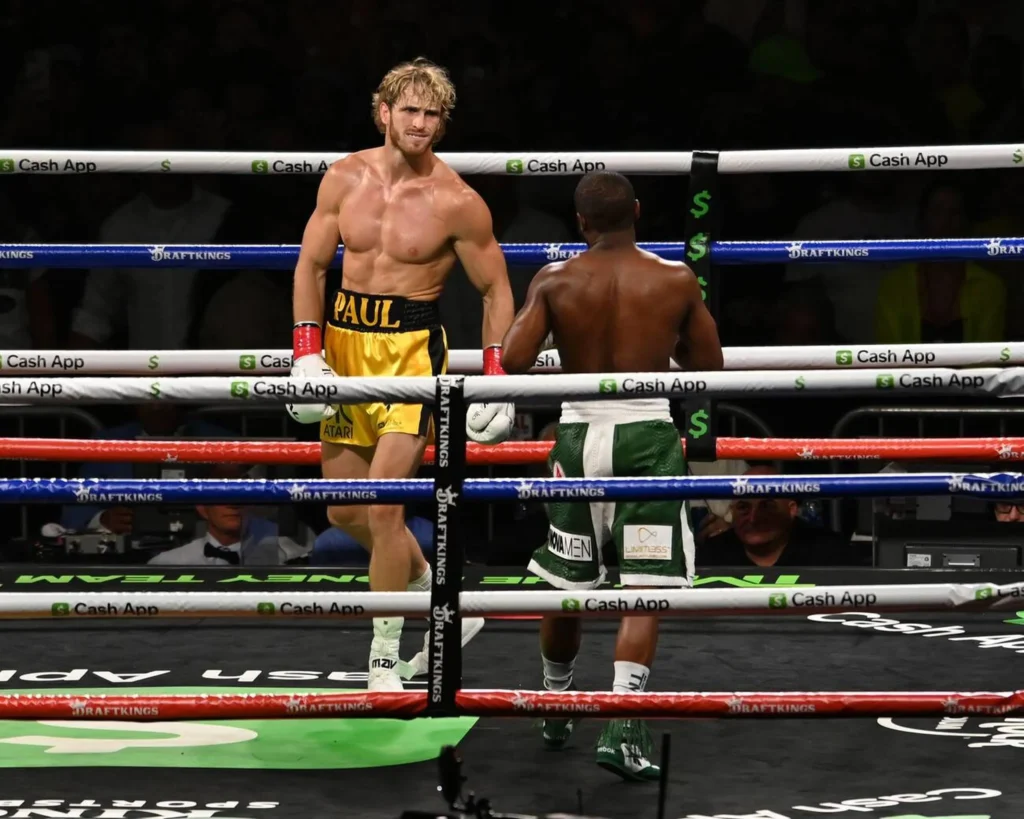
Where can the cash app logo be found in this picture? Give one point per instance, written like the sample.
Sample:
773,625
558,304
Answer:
60,609
260,166
570,605
698,247
777,601
239,389
857,162
514,166
700,204
607,385
844,357
885,381
247,362
7,165
265,608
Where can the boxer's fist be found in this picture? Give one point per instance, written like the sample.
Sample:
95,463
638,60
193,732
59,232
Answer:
308,362
490,423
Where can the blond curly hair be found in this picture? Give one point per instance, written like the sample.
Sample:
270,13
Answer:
423,77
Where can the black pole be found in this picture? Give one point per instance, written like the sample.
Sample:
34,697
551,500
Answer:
703,220
445,670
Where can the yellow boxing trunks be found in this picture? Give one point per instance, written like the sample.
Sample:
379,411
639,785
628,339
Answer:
369,335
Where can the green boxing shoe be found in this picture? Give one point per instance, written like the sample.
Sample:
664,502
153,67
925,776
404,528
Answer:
557,730
624,748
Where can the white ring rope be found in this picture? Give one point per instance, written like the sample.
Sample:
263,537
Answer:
890,597
515,163
247,362
1008,382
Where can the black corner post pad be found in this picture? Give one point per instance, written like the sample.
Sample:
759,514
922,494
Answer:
703,224
444,676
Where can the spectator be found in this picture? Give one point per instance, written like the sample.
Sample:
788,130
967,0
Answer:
766,531
873,208
1009,512
941,302
235,535
153,306
159,421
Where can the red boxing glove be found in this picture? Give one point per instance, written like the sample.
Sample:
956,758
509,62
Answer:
306,339
492,360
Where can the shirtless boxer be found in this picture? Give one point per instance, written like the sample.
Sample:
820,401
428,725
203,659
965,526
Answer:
613,308
403,217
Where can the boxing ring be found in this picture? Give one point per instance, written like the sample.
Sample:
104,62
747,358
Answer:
258,378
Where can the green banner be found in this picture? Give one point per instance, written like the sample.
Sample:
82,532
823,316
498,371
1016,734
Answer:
272,744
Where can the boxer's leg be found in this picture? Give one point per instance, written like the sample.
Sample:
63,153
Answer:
655,549
396,559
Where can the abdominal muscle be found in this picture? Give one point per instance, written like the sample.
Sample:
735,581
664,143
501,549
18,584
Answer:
376,273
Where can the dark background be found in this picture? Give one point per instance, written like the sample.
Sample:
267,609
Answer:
297,76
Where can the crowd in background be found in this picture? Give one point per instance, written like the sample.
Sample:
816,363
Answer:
720,74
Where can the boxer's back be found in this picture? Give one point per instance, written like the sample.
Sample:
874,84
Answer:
621,310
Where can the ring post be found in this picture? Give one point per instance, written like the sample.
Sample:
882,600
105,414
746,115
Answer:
703,220
445,654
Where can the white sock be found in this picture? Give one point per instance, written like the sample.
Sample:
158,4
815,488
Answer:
630,677
423,582
557,676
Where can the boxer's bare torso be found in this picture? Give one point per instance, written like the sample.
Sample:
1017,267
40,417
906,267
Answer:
615,309
399,236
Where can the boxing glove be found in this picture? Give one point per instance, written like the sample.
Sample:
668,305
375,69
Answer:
308,362
490,423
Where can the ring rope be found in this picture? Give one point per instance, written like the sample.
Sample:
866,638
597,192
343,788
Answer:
265,361
511,453
509,703
1008,381
701,602
528,163
284,257
990,486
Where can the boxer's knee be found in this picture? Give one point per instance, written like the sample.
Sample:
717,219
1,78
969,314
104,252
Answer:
352,520
387,526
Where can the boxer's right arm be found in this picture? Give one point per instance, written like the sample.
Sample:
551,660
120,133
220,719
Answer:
320,242
699,349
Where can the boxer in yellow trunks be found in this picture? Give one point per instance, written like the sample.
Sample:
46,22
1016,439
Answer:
404,218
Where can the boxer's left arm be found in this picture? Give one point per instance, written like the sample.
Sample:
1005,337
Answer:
525,338
481,256
484,263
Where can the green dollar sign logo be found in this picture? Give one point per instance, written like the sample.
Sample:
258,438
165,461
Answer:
1019,621
700,201
165,165
698,247
1018,156
154,389
703,284
699,428
1004,354
570,605
154,362
800,383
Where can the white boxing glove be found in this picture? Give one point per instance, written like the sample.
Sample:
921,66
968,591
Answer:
490,423
308,362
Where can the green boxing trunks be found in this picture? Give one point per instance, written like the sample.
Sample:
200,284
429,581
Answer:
653,539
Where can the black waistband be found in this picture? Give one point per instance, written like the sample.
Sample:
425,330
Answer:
381,314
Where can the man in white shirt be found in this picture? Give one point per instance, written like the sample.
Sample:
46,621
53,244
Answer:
154,306
235,535
874,208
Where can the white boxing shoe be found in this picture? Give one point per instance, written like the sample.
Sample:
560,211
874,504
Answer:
384,662
418,665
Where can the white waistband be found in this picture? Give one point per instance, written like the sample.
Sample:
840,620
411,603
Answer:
616,411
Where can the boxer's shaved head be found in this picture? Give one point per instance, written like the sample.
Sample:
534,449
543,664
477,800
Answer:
605,201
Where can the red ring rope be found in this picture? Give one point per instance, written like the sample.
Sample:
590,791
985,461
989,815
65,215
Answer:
506,703
507,454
